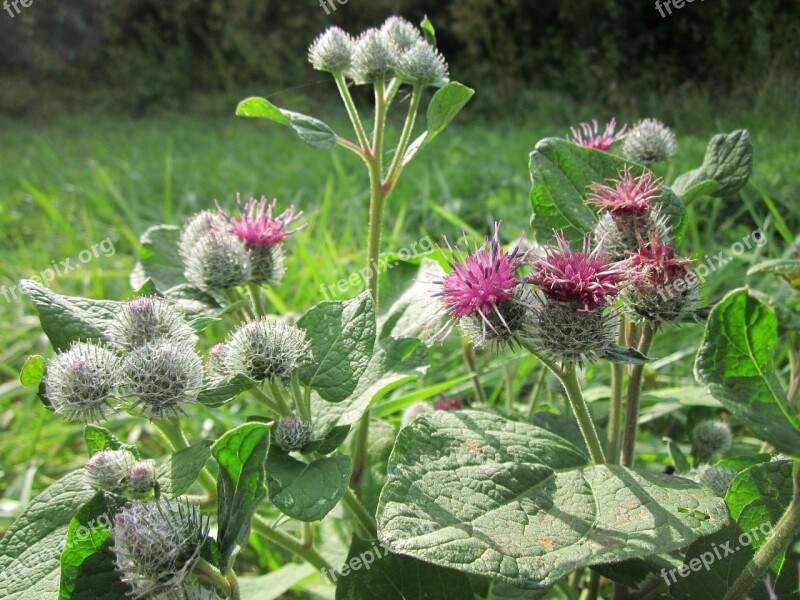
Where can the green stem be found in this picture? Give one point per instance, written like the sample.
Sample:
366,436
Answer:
537,387
362,517
274,410
615,413
508,379
205,570
233,583
277,395
593,589
569,380
405,137
787,528
352,111
391,90
307,535
290,544
472,369
173,431
255,297
634,398
301,401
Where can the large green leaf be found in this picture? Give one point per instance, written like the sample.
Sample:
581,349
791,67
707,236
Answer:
735,364
310,130
241,486
307,492
88,571
177,472
394,362
493,497
561,173
757,498
30,550
217,392
342,338
726,168
66,319
372,572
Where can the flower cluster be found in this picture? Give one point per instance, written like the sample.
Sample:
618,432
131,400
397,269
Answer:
220,251
118,471
150,362
397,49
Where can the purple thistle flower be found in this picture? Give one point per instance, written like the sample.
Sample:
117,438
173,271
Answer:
586,278
258,226
657,265
629,198
588,135
482,286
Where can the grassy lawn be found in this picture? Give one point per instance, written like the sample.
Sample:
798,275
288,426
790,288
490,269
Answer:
70,184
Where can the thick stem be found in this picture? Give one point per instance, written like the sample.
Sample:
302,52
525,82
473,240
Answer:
615,413
593,589
290,544
573,388
634,398
787,528
280,401
362,517
307,535
271,407
233,583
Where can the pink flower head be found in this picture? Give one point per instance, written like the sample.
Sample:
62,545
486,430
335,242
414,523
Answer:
629,197
588,135
257,226
585,278
448,404
656,265
478,283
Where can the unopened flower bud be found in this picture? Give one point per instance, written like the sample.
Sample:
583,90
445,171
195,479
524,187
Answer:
81,381
148,318
157,544
448,404
265,350
195,229
374,58
142,477
423,65
219,260
650,141
413,411
292,433
569,334
711,437
332,51
109,470
716,479
403,33
502,327
161,376
215,360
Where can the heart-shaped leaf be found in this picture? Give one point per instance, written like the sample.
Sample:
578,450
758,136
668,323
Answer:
726,168
341,336
479,493
177,472
735,364
99,438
